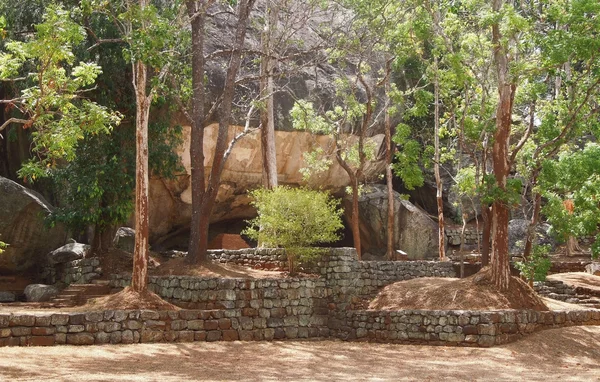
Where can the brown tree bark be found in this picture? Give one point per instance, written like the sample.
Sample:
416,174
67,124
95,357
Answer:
389,153
207,198
139,277
267,132
436,169
197,12
486,236
500,157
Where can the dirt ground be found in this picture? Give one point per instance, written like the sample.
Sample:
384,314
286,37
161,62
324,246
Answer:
578,279
568,354
474,292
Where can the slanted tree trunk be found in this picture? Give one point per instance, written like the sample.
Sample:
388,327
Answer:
214,180
486,234
500,157
436,169
537,204
267,132
139,277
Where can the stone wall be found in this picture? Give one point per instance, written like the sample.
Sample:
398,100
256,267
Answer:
258,258
80,271
410,326
463,328
453,235
126,327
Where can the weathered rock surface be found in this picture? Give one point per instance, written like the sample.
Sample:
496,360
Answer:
40,292
22,226
125,239
517,235
7,296
414,231
593,268
170,201
68,252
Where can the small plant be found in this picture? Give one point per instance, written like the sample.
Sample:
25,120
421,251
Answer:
295,219
536,267
3,245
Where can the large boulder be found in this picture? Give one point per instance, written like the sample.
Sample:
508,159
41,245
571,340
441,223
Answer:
22,226
517,235
414,231
170,200
40,292
125,239
6,296
68,252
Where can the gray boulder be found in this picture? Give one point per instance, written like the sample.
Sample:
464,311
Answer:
414,231
7,296
517,235
40,292
593,268
22,226
125,239
68,252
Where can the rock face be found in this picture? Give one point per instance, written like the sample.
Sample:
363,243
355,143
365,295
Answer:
40,292
7,296
22,226
414,231
593,268
68,252
517,235
170,201
125,239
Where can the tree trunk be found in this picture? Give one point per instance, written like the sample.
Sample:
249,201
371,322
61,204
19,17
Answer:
485,237
389,153
198,226
214,180
438,179
267,132
356,219
139,277
500,158
537,204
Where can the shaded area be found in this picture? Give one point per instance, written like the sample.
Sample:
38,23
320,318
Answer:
476,292
561,354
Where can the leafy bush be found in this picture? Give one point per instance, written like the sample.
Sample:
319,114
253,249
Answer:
536,267
295,219
2,246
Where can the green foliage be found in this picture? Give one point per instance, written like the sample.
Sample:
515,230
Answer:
536,267
575,175
295,219
3,246
52,102
97,187
407,158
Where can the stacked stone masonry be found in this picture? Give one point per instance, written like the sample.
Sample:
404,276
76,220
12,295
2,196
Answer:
259,258
80,271
322,306
471,236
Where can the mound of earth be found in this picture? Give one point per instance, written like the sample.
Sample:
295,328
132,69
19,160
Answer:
128,299
476,292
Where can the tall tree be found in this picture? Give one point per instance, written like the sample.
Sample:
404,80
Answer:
204,192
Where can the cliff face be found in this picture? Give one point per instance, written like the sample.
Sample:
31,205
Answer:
170,200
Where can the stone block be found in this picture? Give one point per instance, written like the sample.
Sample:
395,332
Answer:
213,335
486,341
42,320
102,337
60,338
211,325
246,335
41,341
230,335
127,337
149,336
42,331
224,323
80,339
20,331
21,320
75,328
116,337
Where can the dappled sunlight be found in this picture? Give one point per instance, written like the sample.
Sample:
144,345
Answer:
568,353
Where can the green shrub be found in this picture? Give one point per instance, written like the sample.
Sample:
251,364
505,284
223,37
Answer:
295,219
536,267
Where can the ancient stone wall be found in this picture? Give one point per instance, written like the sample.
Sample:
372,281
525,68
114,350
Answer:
80,271
258,258
453,235
459,327
463,328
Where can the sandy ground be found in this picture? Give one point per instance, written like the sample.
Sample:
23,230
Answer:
568,354
578,279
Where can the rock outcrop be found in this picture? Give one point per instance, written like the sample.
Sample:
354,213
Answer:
414,231
68,252
22,226
40,292
170,200
125,239
517,235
